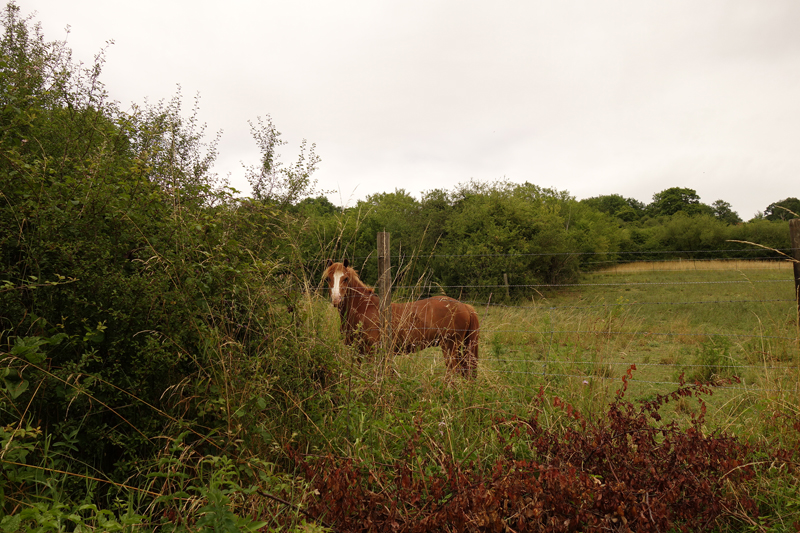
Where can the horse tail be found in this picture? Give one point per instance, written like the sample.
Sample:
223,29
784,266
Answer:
471,343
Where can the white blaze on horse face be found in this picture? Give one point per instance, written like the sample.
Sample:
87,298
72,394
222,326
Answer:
336,290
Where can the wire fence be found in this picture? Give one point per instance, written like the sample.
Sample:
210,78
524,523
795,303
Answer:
673,320
630,255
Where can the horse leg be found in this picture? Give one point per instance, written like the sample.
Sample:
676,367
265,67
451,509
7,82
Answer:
461,353
468,357
471,343
471,367
464,359
449,349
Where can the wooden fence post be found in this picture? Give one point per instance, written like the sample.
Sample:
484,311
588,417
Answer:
385,290
794,233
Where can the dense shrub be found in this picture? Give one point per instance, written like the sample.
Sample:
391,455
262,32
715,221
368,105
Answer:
473,239
137,295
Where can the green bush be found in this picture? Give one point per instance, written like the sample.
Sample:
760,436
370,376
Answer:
139,299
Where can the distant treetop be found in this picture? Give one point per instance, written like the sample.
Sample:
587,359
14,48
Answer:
784,210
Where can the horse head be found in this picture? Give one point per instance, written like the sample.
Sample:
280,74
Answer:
339,276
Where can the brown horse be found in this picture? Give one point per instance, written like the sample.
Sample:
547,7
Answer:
437,321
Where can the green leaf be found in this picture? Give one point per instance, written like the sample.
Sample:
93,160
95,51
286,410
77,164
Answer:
95,335
57,338
28,347
15,389
10,523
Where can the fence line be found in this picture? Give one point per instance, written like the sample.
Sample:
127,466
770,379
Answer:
648,252
558,285
631,333
549,337
649,333
623,304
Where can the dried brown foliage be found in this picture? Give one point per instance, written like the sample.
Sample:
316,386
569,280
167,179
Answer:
629,471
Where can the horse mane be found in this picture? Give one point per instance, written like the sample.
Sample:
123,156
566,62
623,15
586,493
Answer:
350,272
356,281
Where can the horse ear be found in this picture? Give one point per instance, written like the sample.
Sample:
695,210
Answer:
330,262
346,263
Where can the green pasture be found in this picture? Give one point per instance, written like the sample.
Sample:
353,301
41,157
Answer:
576,343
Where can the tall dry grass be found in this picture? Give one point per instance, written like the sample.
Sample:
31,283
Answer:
696,264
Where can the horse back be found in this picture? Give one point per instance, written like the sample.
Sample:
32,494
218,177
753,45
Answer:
432,317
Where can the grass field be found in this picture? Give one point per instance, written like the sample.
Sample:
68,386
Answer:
726,319
697,264
576,343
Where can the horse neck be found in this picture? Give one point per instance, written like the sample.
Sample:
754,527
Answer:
359,298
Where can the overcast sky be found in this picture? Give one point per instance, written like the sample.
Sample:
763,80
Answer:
593,97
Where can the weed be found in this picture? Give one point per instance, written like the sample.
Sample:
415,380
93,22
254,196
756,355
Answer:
713,360
626,470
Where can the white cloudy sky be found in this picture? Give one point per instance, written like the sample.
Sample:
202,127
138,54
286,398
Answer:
593,97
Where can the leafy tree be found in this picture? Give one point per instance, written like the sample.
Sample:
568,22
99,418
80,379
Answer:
435,208
626,209
677,199
772,234
474,236
318,206
99,248
524,232
395,212
784,210
270,180
724,212
686,233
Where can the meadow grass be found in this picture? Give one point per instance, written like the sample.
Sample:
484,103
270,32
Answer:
734,320
697,264
706,324
576,343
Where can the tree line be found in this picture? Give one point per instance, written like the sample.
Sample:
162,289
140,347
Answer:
480,235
